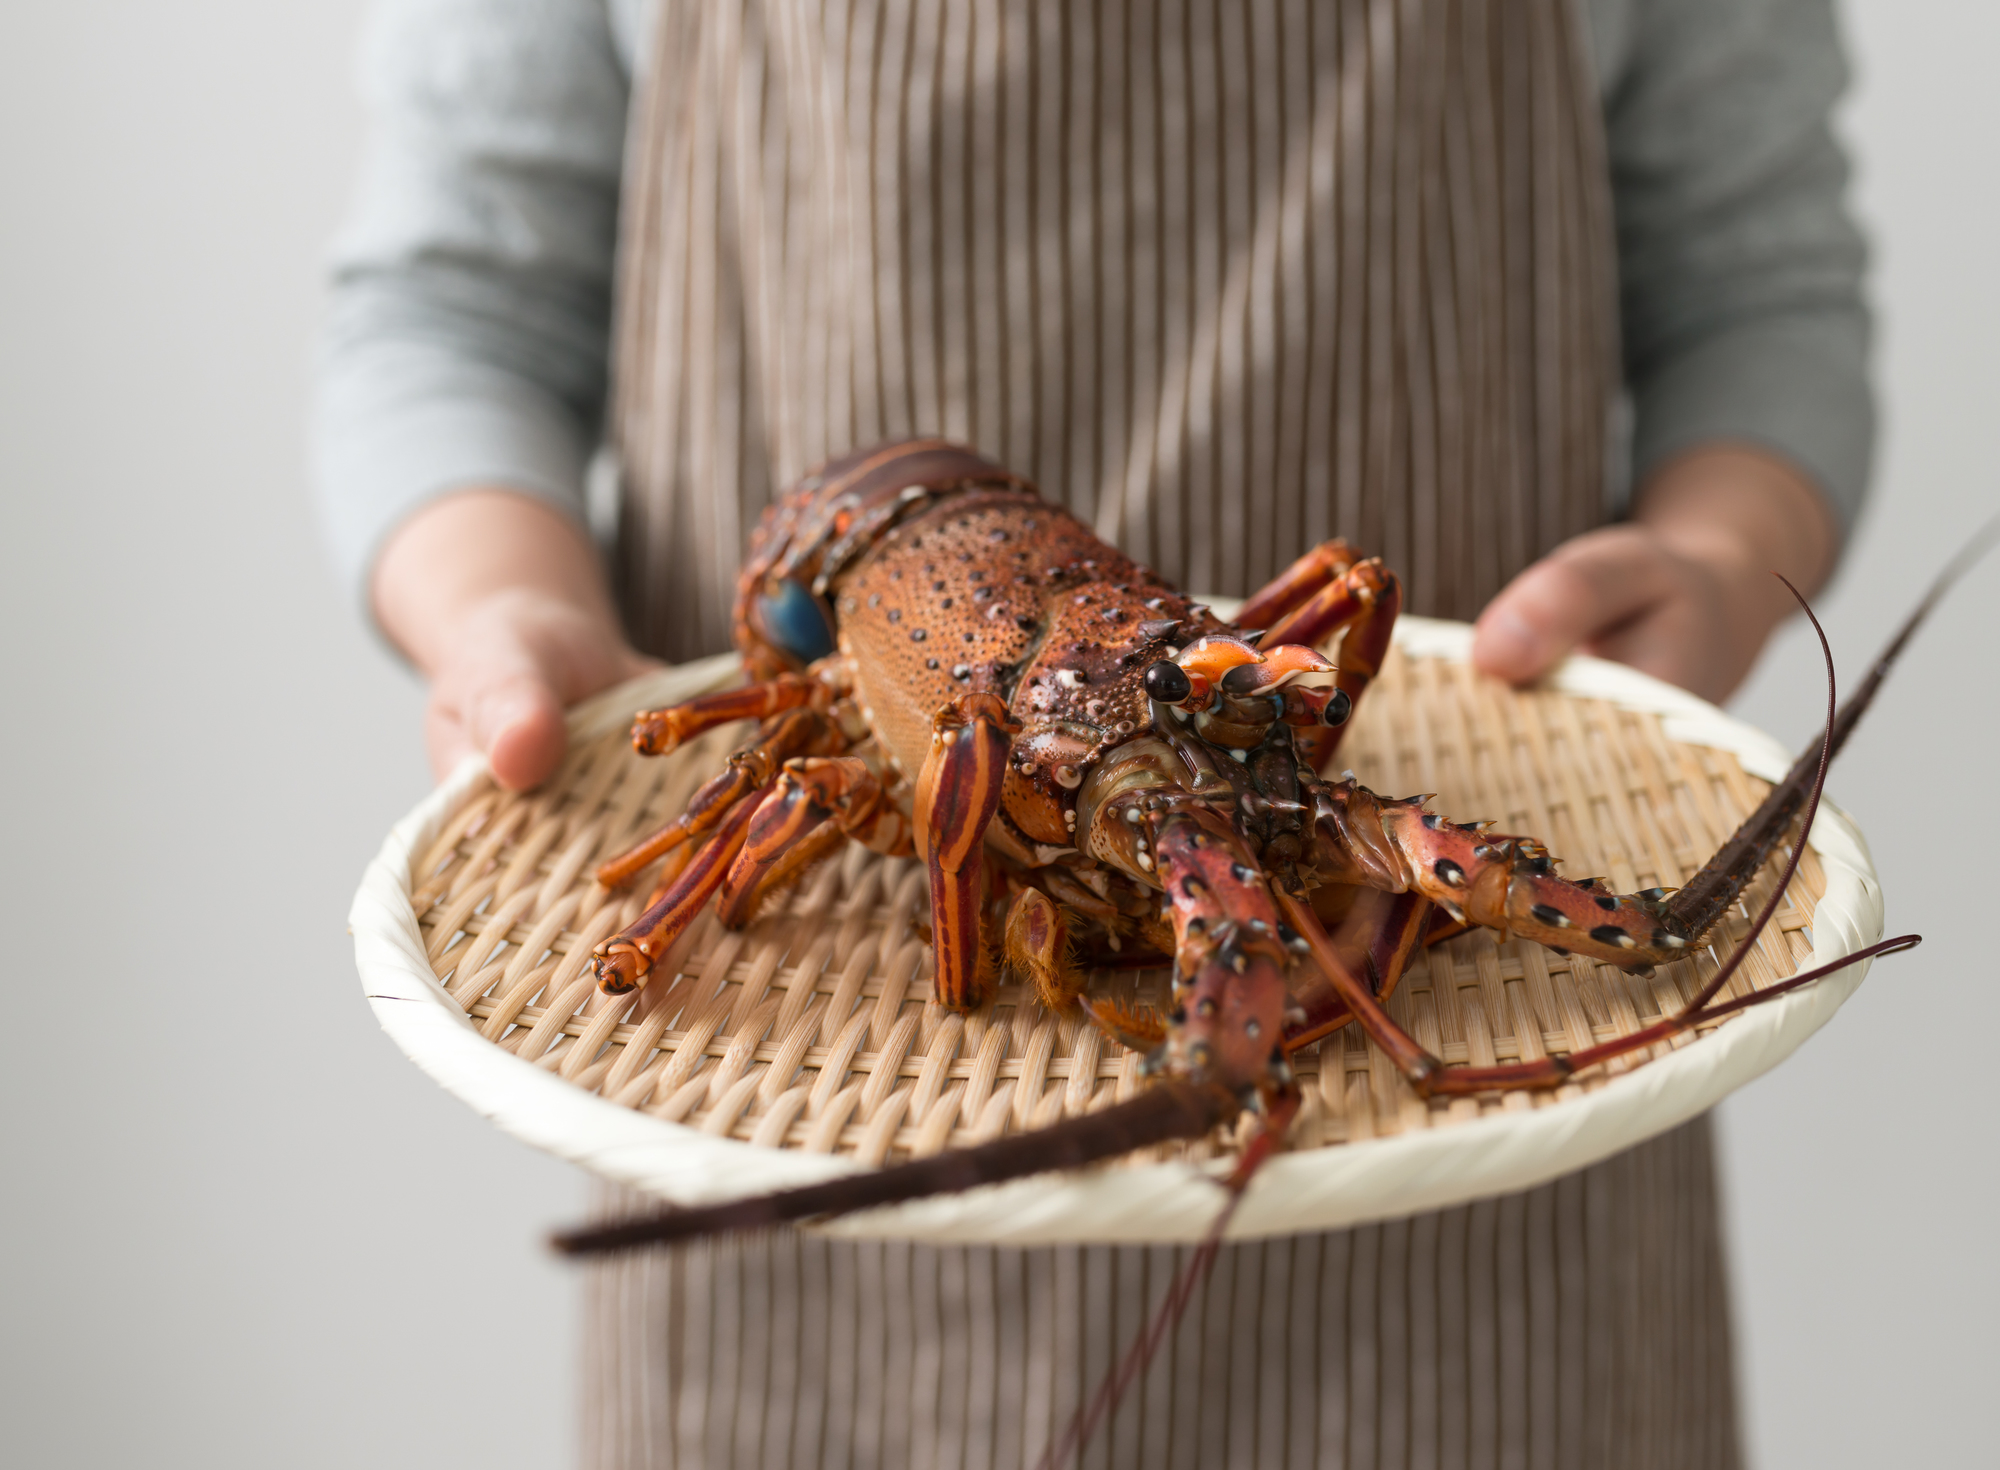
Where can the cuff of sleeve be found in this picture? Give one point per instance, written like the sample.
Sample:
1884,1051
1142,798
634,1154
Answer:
1796,389
392,436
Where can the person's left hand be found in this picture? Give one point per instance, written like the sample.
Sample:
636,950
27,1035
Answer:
1682,591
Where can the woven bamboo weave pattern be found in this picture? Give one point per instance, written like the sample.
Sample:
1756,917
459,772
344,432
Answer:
812,1029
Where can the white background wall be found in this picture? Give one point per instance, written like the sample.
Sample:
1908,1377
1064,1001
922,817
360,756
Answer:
237,1229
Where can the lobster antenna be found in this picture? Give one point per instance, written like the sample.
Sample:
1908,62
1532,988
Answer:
1968,556
1701,901
1729,966
1165,1111
1147,1345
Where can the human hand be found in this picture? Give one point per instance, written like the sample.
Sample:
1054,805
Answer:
1682,591
499,601
516,660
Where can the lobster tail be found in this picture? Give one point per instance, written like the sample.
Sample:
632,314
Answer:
1721,881
1166,1111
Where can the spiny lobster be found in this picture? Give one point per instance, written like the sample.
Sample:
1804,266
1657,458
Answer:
1095,768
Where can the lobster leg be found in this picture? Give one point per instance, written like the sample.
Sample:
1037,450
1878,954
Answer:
1362,603
1375,941
958,793
659,731
815,807
622,962
794,732
1297,583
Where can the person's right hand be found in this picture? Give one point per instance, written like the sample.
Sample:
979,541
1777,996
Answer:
498,599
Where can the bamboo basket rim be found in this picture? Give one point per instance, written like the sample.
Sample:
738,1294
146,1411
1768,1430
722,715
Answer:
1314,1188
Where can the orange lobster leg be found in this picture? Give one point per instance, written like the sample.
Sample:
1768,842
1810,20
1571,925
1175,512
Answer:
660,731
1363,601
622,962
1296,583
794,732
814,808
1375,941
958,793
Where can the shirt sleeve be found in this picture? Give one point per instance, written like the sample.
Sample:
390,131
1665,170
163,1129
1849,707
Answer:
1740,267
467,335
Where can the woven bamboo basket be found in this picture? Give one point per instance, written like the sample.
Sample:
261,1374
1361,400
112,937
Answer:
806,1045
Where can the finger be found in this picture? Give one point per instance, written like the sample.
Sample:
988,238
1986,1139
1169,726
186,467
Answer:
1582,589
518,721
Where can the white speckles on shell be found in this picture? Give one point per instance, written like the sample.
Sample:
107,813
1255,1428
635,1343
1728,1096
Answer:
1071,678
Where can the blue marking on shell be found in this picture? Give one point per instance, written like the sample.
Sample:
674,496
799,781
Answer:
796,622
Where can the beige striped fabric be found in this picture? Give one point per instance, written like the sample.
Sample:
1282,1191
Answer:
1582,1324
1226,277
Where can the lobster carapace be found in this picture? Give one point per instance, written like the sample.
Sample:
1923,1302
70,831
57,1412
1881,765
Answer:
1093,767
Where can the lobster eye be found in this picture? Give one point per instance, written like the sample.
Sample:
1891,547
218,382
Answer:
1168,682
796,621
1338,708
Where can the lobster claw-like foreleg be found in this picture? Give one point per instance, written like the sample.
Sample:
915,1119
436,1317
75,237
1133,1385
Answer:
958,793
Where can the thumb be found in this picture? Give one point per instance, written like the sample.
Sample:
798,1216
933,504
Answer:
515,717
511,669
1570,596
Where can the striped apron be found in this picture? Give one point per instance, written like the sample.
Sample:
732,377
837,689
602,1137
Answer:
1225,277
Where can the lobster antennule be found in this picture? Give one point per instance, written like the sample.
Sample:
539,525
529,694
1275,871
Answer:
1166,1111
1722,879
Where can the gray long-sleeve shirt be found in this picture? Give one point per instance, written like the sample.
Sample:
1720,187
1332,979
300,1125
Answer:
468,341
